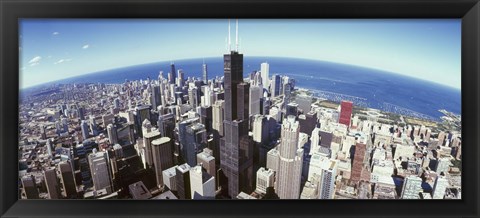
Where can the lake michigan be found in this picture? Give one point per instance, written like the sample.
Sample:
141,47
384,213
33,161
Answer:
366,87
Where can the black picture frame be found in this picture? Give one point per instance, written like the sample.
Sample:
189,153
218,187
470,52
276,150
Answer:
12,10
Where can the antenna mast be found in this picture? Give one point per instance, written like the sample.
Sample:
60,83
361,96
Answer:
229,43
236,35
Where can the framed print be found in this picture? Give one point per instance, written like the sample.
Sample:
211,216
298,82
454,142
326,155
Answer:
249,108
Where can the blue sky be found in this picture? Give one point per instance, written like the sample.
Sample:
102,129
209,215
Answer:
52,49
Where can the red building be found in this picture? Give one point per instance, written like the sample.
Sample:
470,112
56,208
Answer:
345,112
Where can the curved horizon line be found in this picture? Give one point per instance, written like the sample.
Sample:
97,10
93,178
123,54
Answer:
212,57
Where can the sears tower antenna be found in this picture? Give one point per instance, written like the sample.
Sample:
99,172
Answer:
229,43
236,35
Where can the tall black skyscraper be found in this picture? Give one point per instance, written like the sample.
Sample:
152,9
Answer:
233,75
233,162
243,91
172,71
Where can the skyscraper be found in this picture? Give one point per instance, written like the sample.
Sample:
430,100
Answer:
148,138
183,181
184,139
85,131
68,182
49,145
358,160
205,73
275,87
256,94
264,69
207,161
100,171
194,97
260,129
81,113
291,109
112,134
166,125
439,187
156,97
218,116
93,125
162,157
290,161
327,181
172,73
196,141
51,182
181,78
315,140
169,178
243,90
235,124
345,112
30,187
265,179
411,187
202,184
141,113
81,152
116,103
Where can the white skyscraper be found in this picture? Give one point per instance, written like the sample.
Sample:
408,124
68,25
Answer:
439,187
202,184
317,163
290,161
275,113
112,134
443,165
411,187
315,140
205,99
327,182
260,129
207,161
265,179
322,171
169,178
255,94
272,159
264,68
100,171
217,116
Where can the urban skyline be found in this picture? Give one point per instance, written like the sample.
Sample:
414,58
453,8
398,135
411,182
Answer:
245,135
60,49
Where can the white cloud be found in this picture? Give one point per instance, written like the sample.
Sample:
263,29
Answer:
35,61
23,68
61,61
55,33
85,46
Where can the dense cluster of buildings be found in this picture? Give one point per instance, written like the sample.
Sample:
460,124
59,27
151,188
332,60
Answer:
230,137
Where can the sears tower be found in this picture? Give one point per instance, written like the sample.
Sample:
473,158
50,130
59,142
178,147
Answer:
236,147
